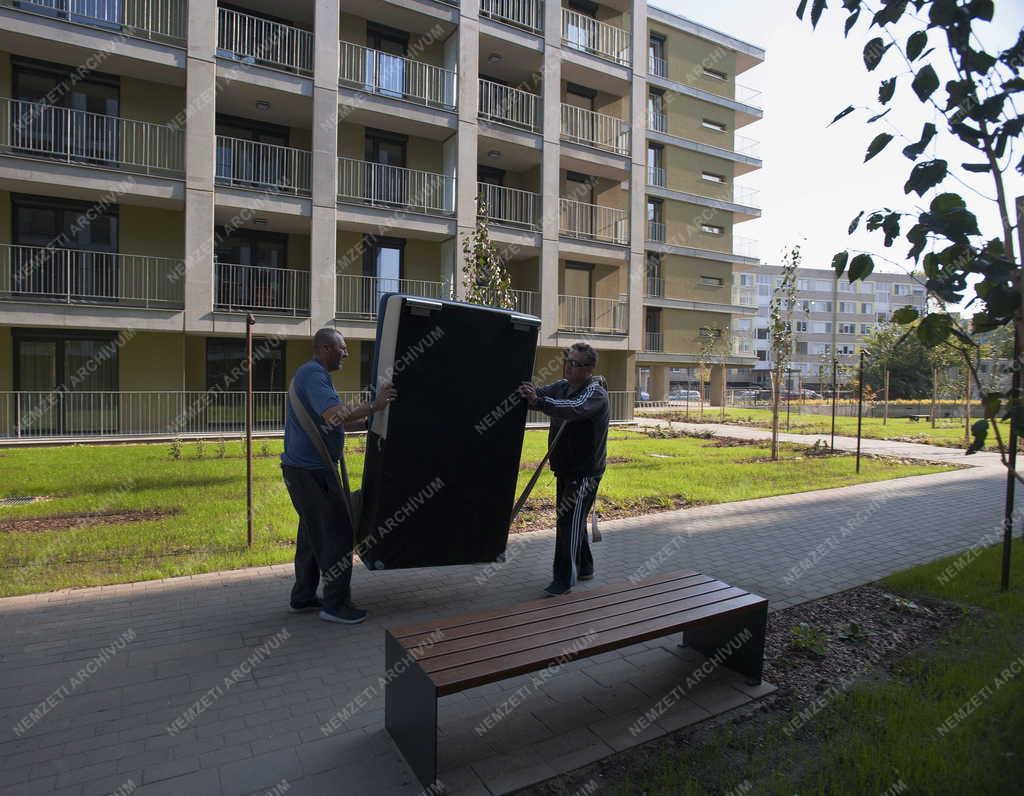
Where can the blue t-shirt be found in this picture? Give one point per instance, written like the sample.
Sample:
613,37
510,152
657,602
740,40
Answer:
317,393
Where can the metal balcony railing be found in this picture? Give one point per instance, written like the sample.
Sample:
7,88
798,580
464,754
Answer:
656,176
269,167
510,205
657,66
35,129
744,247
75,276
251,288
595,129
159,20
655,286
499,103
524,301
744,296
254,40
656,231
581,32
589,314
654,341
742,145
593,222
658,121
379,184
359,296
742,347
527,14
397,77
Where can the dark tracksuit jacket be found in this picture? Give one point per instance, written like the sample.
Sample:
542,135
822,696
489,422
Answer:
578,461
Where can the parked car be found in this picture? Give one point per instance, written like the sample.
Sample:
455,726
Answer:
684,395
644,396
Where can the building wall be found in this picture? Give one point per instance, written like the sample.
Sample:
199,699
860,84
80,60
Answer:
152,361
6,358
151,230
683,223
686,55
682,279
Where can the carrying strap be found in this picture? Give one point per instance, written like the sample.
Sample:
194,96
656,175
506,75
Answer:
536,474
313,432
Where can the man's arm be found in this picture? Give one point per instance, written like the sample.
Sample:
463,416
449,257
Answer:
324,400
590,401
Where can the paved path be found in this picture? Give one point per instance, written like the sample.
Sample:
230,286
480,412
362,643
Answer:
120,665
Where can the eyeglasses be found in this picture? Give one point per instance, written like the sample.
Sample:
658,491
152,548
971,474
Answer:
575,363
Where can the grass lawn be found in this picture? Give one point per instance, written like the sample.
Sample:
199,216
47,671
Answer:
948,432
208,493
884,730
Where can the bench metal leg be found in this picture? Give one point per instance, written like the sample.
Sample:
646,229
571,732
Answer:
410,711
740,638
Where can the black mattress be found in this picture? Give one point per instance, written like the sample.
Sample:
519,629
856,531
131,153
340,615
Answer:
442,462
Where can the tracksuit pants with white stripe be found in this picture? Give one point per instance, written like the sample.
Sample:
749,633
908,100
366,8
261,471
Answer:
575,498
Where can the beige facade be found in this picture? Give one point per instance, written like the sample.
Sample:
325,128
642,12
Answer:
296,162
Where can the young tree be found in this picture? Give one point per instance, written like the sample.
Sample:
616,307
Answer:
487,277
780,331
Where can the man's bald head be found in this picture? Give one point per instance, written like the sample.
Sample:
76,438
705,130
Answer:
329,348
325,336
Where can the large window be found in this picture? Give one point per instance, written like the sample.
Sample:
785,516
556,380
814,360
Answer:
225,368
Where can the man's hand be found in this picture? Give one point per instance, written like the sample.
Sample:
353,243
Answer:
385,395
528,391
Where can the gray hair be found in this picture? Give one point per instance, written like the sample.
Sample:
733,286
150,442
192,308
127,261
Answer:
589,355
325,336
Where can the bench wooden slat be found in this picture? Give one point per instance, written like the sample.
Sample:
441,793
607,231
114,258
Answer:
545,637
451,681
552,609
449,622
566,623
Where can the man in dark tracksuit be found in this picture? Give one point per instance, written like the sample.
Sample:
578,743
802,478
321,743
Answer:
578,460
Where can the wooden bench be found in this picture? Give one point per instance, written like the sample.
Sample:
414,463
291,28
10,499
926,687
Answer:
432,660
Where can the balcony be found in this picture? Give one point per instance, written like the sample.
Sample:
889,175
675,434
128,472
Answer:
580,32
261,42
524,301
266,167
658,67
251,288
721,192
73,276
510,206
657,176
359,296
750,147
598,130
744,295
654,342
391,186
658,121
507,105
525,14
593,222
588,314
656,231
655,287
744,247
34,129
390,75
157,20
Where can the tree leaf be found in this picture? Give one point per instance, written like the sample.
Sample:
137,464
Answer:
816,9
916,44
873,52
914,151
850,22
846,112
925,82
800,9
976,167
855,223
934,329
886,90
981,9
891,12
925,176
947,203
880,142
992,403
878,116
905,315
861,267
979,433
839,263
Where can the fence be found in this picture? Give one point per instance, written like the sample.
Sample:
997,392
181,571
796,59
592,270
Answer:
159,20
528,14
397,77
242,288
593,222
510,205
253,164
254,40
581,32
595,129
499,103
378,183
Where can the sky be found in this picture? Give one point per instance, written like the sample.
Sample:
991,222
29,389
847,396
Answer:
814,179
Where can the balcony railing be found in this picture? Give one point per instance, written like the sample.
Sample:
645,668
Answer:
744,247
744,296
593,222
268,167
359,296
595,129
391,186
657,66
254,40
742,347
34,129
75,276
524,301
656,231
499,103
750,147
159,20
581,32
251,288
656,176
654,341
588,314
658,121
655,287
527,14
510,205
393,76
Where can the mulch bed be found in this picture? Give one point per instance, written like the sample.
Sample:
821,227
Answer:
865,632
539,515
63,522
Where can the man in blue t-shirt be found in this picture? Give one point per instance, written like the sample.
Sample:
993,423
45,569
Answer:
325,535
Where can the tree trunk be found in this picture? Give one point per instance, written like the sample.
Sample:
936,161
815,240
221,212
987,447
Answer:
776,396
967,405
935,391
885,410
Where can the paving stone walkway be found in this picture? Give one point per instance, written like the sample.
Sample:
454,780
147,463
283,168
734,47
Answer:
207,685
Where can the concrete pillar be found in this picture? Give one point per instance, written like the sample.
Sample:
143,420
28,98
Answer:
200,143
324,223
638,180
716,393
466,145
551,112
658,388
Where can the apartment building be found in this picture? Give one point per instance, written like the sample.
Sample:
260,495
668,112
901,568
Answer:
828,312
167,168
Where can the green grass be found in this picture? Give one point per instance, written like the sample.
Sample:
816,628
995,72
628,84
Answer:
208,533
884,730
949,432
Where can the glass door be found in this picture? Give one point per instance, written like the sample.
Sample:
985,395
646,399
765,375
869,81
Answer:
386,60
579,289
386,180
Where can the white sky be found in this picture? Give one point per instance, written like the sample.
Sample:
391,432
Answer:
814,180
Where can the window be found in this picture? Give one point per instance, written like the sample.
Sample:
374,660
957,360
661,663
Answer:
806,306
801,326
708,176
714,73
826,348
656,56
918,291
822,285
801,347
847,306
803,284
867,287
764,279
710,124
742,324
746,280
845,287
880,317
712,229
656,164
225,369
847,328
762,355
900,289
865,328
711,281
845,348
710,331
656,111
821,306
762,334
866,309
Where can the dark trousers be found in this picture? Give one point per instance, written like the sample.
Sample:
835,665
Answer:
323,544
574,497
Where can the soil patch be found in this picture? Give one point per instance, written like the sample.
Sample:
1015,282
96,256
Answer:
62,522
538,515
